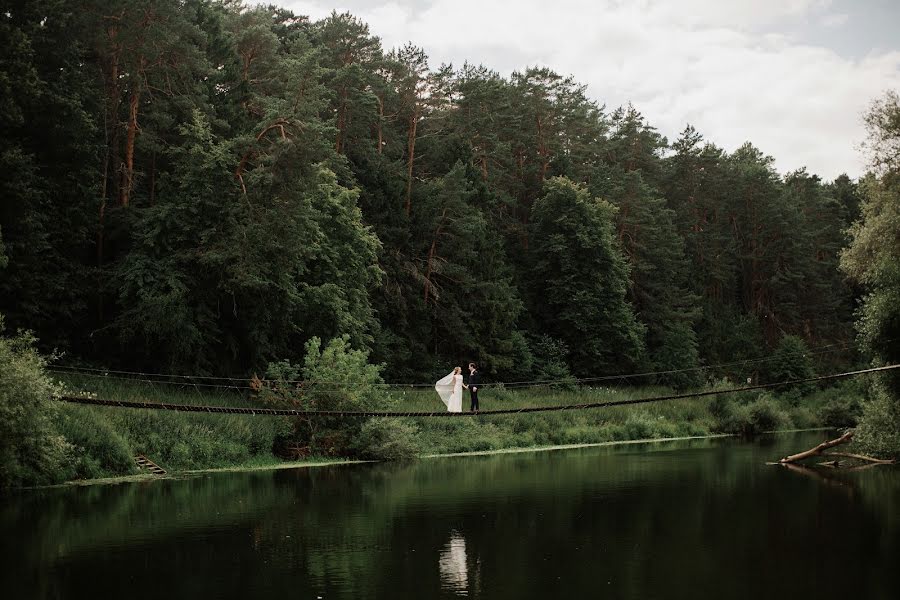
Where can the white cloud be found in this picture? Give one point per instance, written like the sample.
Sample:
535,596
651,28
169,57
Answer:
722,66
835,20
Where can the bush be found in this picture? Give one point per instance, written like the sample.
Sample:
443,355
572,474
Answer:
550,363
336,378
840,413
99,450
387,439
720,407
766,415
804,418
613,433
689,429
31,451
639,426
763,414
790,361
878,432
665,429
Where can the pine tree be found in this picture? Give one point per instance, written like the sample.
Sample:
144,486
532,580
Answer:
351,56
578,280
646,231
49,152
467,287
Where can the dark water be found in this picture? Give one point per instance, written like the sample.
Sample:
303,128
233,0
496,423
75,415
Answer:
699,519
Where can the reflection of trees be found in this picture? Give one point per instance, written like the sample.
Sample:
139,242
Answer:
72,521
622,521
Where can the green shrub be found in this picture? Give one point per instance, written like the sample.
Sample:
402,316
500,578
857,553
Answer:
803,418
550,362
99,450
581,434
665,429
690,429
791,360
840,413
31,451
878,432
721,405
614,433
766,415
336,378
763,414
387,439
639,426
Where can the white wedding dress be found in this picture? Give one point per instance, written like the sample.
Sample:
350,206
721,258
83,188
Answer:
450,390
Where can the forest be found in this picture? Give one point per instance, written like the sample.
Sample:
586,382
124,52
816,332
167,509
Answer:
200,187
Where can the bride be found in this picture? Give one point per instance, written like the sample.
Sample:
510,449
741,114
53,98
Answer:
450,390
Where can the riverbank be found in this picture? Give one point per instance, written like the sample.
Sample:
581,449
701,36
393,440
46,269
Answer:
105,439
316,463
144,477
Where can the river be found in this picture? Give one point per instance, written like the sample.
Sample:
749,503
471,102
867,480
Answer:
684,519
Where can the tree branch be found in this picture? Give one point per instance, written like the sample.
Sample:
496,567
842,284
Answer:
818,450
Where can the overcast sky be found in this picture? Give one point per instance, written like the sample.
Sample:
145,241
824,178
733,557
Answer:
791,76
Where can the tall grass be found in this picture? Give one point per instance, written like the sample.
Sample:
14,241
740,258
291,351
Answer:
105,436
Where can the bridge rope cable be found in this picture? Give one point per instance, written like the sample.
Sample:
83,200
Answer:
187,380
502,411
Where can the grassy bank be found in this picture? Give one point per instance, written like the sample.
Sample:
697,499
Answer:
106,439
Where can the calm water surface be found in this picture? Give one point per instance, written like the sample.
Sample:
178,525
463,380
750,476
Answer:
697,519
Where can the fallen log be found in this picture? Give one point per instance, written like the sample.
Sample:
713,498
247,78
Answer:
818,450
862,457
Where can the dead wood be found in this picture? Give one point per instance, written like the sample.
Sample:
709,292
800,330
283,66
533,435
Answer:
820,450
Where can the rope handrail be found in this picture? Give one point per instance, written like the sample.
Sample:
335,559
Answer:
502,411
119,375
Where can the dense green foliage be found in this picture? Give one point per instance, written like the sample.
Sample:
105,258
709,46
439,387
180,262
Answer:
336,378
197,187
30,449
202,188
873,259
790,361
579,279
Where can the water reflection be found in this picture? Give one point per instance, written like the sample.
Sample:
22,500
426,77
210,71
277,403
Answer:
452,564
657,521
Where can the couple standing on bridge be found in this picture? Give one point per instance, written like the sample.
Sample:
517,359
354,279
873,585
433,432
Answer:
450,388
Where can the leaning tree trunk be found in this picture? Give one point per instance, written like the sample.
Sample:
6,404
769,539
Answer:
820,450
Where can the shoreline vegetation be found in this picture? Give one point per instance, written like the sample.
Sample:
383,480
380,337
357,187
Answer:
232,194
105,439
316,463
57,442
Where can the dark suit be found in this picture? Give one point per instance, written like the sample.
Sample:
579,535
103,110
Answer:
474,382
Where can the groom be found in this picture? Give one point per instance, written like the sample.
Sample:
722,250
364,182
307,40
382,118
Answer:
474,384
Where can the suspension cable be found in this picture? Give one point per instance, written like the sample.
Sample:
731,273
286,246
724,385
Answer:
187,380
502,411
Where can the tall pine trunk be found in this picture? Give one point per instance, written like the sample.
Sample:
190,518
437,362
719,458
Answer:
380,124
411,151
110,67
341,122
128,171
